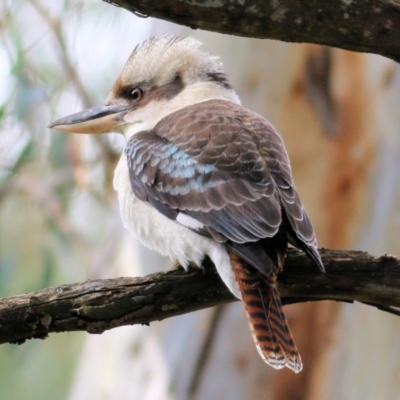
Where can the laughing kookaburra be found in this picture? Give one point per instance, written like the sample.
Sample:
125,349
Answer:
203,176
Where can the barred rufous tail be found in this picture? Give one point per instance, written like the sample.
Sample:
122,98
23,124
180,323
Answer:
267,321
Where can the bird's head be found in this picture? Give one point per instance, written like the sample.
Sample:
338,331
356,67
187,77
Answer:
161,76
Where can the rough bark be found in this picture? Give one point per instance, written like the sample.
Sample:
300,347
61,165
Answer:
371,26
98,305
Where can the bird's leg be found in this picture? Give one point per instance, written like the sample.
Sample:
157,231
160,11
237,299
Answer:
207,265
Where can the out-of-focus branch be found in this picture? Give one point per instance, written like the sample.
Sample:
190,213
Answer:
99,305
70,71
108,155
371,26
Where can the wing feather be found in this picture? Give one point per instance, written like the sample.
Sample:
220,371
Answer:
225,167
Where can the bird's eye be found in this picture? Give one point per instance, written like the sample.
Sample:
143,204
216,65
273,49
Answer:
136,94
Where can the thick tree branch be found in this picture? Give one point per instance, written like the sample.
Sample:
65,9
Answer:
99,305
371,26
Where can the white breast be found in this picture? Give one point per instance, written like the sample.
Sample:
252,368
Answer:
167,237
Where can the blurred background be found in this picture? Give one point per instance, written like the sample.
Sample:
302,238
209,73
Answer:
339,114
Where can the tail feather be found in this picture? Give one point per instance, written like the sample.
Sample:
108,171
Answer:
267,321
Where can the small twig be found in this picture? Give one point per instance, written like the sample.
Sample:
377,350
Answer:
390,310
140,15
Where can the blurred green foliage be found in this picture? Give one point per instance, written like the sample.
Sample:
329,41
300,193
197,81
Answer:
57,220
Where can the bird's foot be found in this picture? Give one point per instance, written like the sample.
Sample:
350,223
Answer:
191,264
176,265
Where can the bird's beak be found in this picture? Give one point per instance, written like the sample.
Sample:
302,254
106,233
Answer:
99,119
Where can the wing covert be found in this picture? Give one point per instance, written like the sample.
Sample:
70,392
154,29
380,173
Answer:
222,165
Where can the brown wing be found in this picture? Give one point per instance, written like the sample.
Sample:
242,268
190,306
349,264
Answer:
227,169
